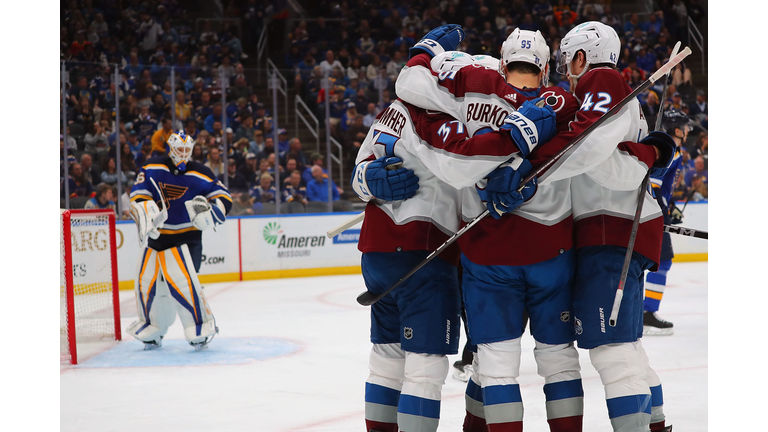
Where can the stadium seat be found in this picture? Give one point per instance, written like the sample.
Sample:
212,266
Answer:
317,207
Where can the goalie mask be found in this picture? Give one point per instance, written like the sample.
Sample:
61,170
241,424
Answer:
181,146
528,47
599,42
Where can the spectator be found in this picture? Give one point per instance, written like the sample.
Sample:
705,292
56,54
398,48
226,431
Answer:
370,116
698,189
183,109
632,25
355,135
145,124
248,169
294,151
148,32
348,119
701,147
214,161
237,183
160,138
204,109
316,159
271,164
293,190
109,172
395,66
240,89
79,186
700,170
650,106
317,188
681,76
242,205
327,65
127,160
104,199
144,154
89,172
700,108
83,112
269,148
646,60
125,200
215,116
133,142
257,143
191,129
197,154
264,192
96,141
282,141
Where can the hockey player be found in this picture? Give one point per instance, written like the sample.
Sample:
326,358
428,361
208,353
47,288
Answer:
192,200
607,170
501,279
414,327
677,125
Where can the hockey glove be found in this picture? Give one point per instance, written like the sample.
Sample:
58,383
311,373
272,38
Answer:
675,215
530,126
388,181
503,183
439,40
666,146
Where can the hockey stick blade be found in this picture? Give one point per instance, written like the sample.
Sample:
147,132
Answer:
688,232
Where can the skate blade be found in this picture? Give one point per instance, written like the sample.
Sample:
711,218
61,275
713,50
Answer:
151,347
653,331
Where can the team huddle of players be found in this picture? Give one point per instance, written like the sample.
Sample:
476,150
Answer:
462,135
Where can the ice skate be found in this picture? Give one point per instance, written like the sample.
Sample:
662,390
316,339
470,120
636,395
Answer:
654,326
153,345
462,371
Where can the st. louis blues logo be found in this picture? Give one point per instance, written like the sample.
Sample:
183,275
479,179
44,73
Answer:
171,192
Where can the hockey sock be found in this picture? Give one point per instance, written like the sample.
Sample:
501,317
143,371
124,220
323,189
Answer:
474,420
559,365
382,388
499,368
654,287
419,405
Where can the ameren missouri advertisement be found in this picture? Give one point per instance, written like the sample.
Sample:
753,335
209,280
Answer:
260,247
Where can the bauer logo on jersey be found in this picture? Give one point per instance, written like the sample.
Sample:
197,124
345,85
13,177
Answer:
408,332
171,192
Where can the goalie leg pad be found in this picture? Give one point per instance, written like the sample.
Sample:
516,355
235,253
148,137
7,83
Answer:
154,306
184,287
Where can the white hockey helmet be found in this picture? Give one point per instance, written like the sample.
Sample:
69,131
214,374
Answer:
181,146
486,61
599,42
525,46
450,61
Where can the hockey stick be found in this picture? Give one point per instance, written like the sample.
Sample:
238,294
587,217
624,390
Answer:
689,232
639,209
368,298
346,225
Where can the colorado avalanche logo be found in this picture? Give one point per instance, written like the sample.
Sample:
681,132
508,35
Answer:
560,100
408,332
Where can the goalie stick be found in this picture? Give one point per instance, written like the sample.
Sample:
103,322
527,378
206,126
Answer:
368,298
636,221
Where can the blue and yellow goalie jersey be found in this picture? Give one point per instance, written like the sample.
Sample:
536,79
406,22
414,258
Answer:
177,187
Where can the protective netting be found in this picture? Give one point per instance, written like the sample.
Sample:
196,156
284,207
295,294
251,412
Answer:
91,275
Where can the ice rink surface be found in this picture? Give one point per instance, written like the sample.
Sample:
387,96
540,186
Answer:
292,356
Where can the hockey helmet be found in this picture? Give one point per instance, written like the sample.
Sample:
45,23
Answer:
675,119
525,46
599,42
181,146
450,61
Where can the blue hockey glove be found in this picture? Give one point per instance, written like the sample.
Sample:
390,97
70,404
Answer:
389,182
530,125
439,40
666,146
501,190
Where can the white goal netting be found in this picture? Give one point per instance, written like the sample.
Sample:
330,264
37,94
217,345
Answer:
89,307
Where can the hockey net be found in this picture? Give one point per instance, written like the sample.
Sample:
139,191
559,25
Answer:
89,301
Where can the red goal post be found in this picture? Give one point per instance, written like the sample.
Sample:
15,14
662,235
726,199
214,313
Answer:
89,300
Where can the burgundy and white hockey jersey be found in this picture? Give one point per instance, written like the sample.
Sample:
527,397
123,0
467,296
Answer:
439,150
481,98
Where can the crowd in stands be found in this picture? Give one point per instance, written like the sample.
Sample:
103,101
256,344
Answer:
361,46
145,41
